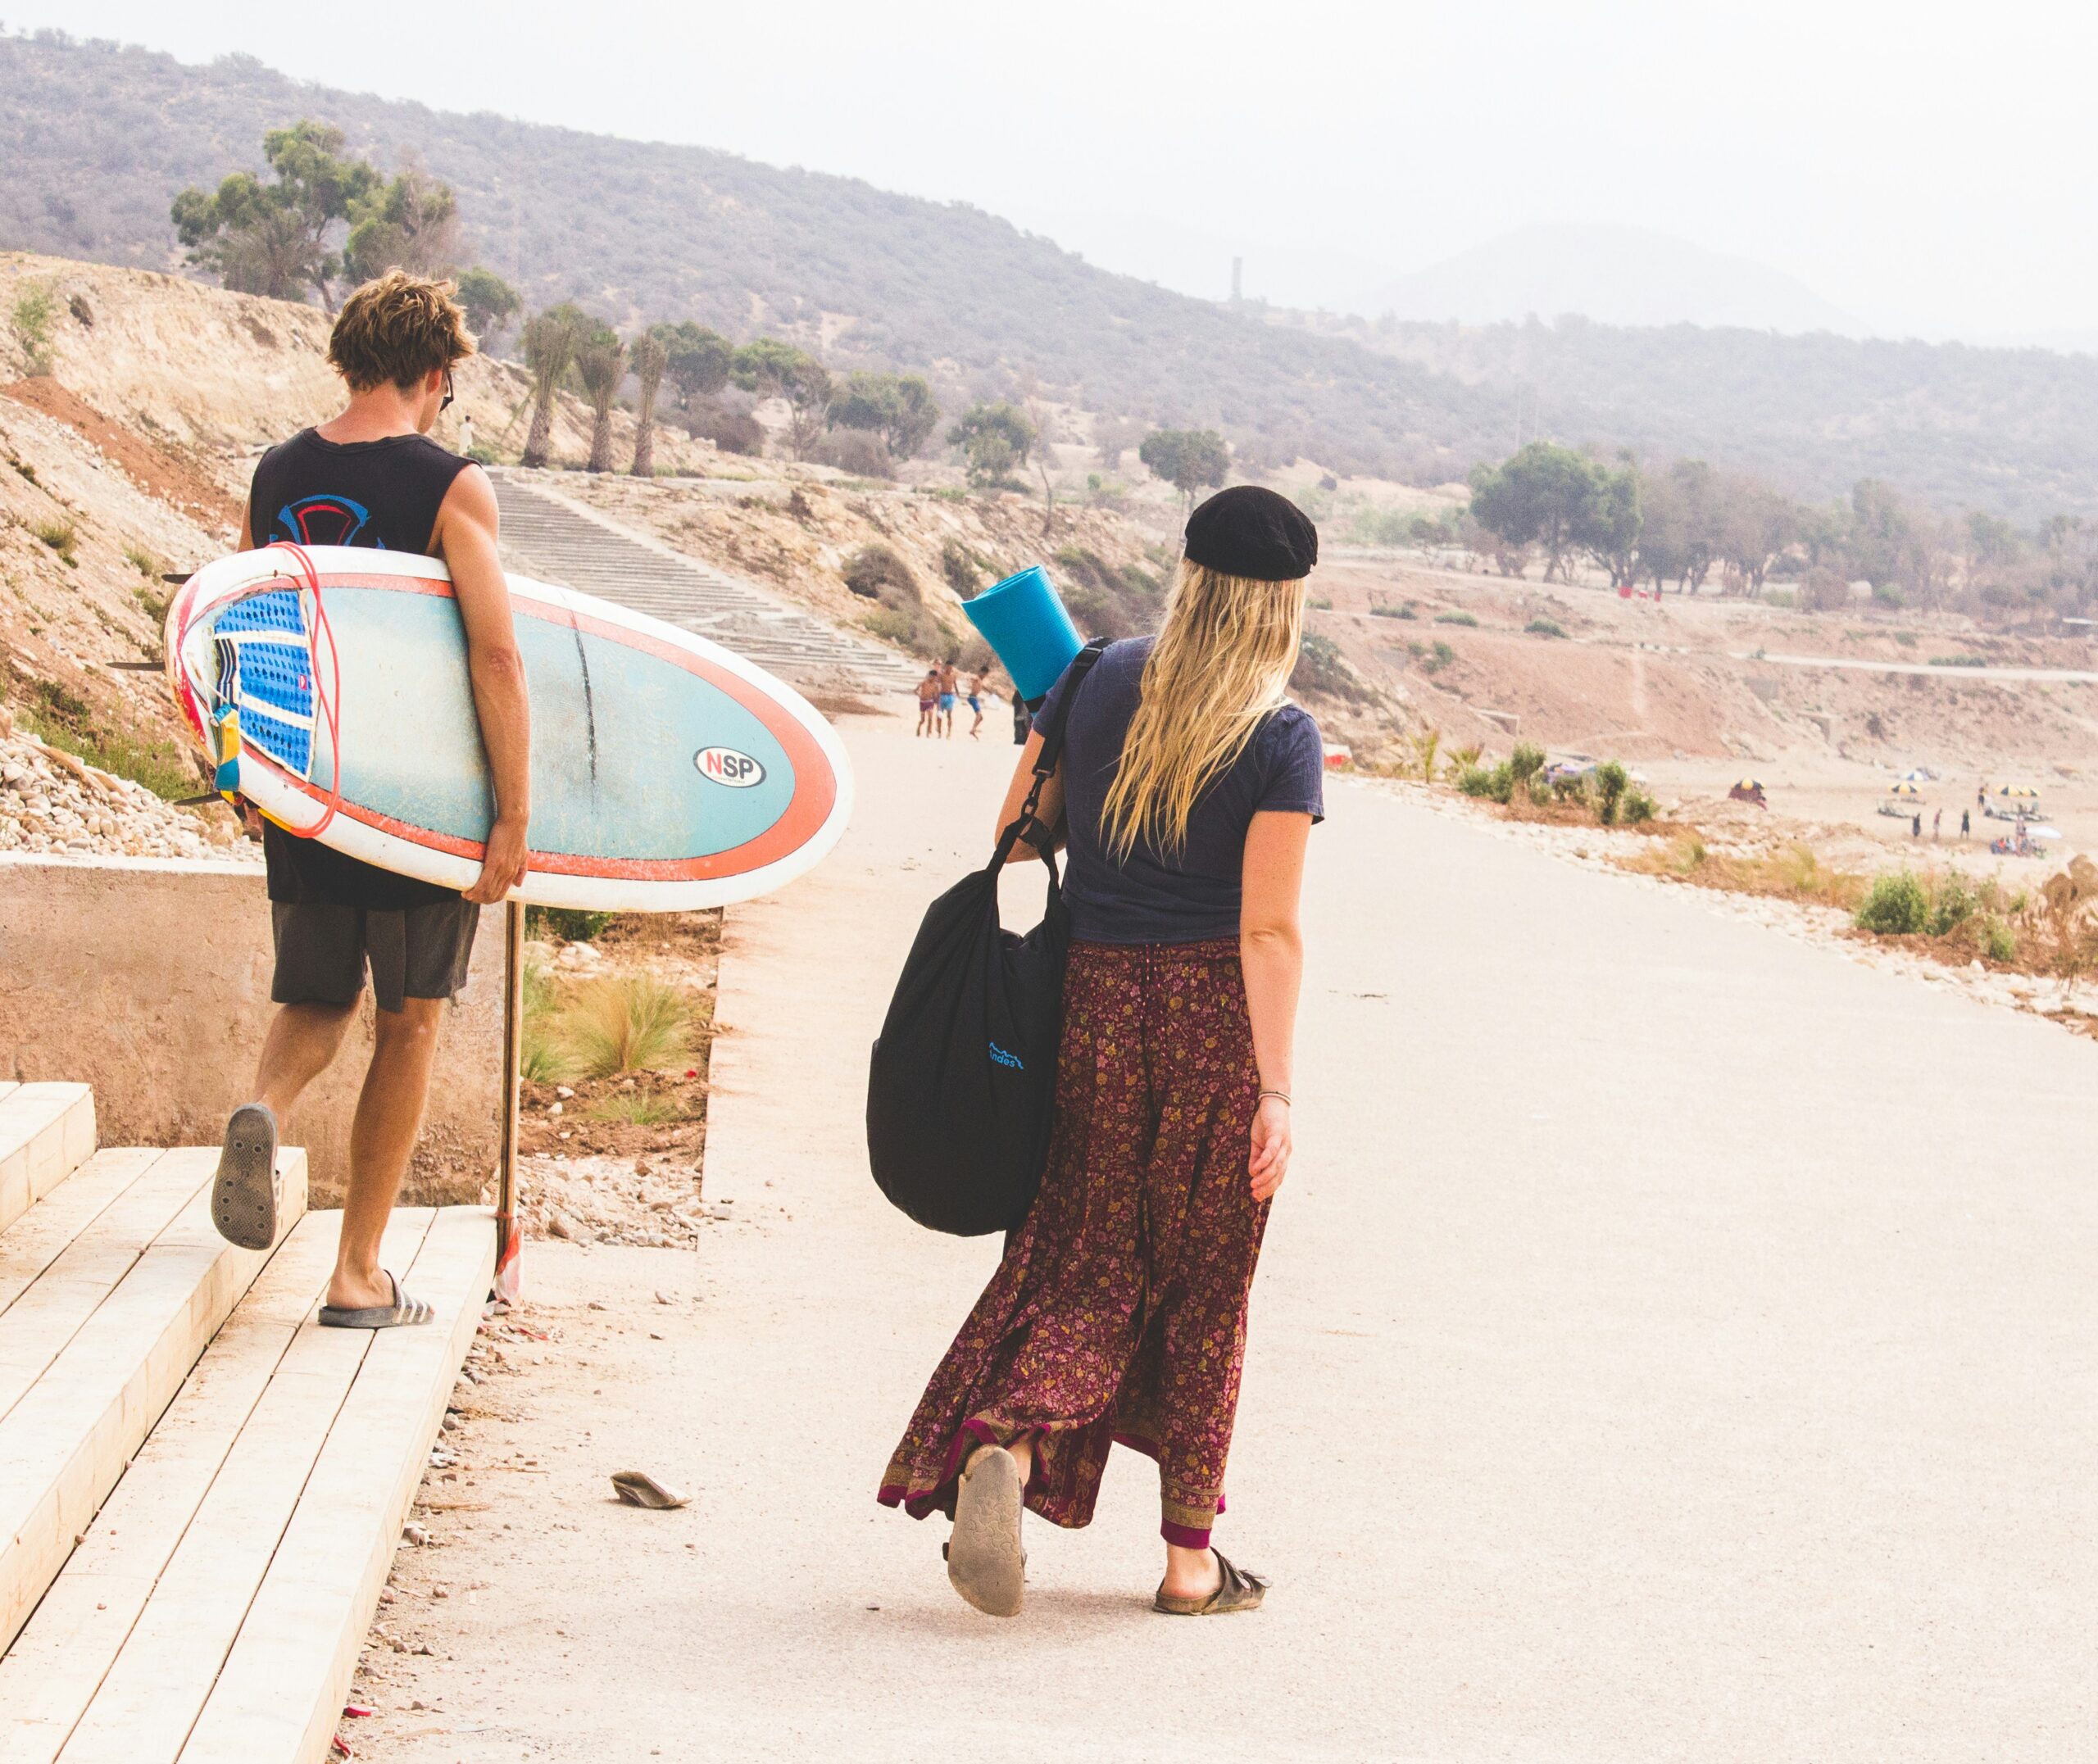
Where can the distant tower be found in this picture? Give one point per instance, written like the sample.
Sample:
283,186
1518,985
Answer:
1237,269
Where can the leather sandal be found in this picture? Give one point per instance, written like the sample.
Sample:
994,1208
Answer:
1236,1590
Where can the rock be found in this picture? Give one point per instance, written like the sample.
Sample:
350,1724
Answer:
582,956
415,1534
563,1091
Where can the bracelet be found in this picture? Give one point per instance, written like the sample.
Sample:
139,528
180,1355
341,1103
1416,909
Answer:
1284,1094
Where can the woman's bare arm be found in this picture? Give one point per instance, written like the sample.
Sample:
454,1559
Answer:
1271,956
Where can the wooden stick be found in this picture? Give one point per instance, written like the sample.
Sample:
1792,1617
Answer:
508,1282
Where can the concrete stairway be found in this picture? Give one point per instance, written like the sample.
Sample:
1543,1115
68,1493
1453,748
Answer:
556,539
200,1490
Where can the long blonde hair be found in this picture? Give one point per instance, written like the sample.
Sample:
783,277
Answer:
1220,664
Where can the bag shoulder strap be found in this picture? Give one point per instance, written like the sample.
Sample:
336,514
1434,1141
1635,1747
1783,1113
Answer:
1048,757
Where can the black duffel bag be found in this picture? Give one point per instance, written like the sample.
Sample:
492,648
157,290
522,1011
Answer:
964,1073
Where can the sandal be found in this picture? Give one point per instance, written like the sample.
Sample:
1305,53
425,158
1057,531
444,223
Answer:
403,1310
1235,1590
244,1193
985,1560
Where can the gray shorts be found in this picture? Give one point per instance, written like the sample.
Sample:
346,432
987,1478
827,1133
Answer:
420,952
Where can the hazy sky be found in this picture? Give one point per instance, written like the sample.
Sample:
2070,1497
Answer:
1927,167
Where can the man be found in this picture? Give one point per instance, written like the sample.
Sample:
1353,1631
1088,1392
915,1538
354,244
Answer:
372,477
949,685
928,703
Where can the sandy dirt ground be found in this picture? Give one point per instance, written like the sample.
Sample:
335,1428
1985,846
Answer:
1675,1343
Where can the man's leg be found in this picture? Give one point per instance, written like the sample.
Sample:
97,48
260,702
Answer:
389,1115
302,1042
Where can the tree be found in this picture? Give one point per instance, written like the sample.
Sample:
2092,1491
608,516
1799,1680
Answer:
1542,495
1609,527
411,223
1682,536
272,238
900,408
698,360
1757,526
600,365
994,440
491,302
549,342
648,359
776,370
1188,459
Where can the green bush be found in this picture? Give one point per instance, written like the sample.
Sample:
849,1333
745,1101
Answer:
1611,784
1545,627
1637,808
1527,760
1455,619
571,924
1953,903
1960,661
621,1023
1897,904
1999,941
1405,611
62,536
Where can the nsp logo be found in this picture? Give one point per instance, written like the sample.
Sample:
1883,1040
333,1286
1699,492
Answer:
724,766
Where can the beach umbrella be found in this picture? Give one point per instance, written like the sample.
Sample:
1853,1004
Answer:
2023,791
1902,787
1748,783
2043,832
1918,775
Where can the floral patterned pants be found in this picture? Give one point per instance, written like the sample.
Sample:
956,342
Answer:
1118,1312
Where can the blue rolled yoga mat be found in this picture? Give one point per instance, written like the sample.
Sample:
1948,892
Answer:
1024,620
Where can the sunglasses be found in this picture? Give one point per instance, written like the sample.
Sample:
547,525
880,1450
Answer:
449,393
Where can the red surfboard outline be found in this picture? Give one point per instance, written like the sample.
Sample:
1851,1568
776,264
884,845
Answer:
806,812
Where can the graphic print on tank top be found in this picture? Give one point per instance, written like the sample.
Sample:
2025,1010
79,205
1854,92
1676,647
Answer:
323,520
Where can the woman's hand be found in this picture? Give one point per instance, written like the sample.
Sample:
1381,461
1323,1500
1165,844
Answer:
1269,1163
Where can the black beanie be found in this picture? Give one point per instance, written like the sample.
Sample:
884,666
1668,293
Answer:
1246,530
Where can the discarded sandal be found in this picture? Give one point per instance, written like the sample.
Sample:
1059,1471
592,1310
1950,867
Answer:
402,1311
636,1488
985,1560
1236,1590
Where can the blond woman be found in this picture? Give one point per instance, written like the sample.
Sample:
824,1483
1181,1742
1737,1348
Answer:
1188,788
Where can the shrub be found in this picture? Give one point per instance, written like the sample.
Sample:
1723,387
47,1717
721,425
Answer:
877,572
1953,903
963,569
571,924
1475,780
1317,603
1636,809
1898,904
855,451
1960,661
638,1109
142,560
1545,627
1402,611
1611,784
1455,619
622,1023
35,308
62,536
1321,668
1999,941
1527,760
731,431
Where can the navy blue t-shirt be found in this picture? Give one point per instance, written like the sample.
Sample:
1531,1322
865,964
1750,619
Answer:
1192,894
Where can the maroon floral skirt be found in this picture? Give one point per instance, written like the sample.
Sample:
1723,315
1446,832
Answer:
1118,1312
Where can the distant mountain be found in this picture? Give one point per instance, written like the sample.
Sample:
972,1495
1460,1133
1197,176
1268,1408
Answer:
96,139
1611,274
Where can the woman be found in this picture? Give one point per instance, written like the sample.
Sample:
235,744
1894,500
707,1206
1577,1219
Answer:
1188,787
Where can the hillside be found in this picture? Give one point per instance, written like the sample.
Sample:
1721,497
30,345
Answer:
98,138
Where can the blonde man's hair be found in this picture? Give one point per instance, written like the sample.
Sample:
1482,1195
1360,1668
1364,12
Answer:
396,328
1220,664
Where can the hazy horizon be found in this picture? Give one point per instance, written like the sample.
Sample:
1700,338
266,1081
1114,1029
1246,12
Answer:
1904,179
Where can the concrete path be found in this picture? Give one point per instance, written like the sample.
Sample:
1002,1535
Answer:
1676,1342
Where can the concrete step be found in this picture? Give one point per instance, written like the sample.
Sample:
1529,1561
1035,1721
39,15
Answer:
110,1289
47,1132
215,1611
545,536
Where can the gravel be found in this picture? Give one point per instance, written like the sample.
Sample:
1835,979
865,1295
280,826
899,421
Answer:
55,804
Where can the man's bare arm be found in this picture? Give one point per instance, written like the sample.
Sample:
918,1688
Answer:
465,539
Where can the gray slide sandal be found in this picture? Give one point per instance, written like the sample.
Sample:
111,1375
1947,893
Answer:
244,1197
402,1311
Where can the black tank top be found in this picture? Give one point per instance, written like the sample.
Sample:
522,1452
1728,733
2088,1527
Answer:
386,495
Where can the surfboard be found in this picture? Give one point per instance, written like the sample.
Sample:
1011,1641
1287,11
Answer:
667,773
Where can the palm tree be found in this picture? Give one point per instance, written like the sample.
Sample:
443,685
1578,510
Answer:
600,365
648,358
548,342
